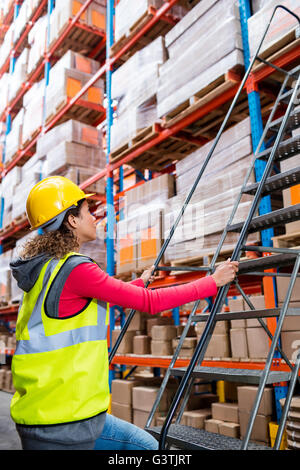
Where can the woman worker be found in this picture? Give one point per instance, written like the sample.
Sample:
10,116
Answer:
60,366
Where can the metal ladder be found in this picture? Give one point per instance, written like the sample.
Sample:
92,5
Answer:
190,438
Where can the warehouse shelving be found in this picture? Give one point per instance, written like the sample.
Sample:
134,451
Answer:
180,129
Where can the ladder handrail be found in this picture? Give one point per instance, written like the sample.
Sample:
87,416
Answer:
236,253
188,198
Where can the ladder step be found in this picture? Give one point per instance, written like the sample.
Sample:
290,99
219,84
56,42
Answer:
266,262
277,182
246,314
286,149
186,437
292,123
250,376
271,219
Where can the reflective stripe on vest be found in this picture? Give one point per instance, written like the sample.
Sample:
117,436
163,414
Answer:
60,367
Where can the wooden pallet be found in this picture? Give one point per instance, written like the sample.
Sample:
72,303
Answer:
159,29
77,112
222,84
288,240
157,157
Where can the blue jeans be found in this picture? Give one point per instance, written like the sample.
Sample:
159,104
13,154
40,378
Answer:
121,435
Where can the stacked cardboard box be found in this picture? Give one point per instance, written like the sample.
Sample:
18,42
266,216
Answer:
225,420
162,336
67,77
14,137
134,87
292,427
140,233
19,75
219,344
121,396
127,18
199,231
6,382
291,196
246,397
281,29
248,338
37,41
9,188
4,91
212,31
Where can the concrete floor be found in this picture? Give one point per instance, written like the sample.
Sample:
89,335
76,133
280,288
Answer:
9,438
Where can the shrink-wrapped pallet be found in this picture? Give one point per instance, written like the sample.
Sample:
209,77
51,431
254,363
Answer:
126,245
65,84
79,174
134,87
73,154
126,17
14,137
69,131
33,102
31,173
97,248
7,44
74,60
213,33
4,91
18,77
37,41
94,16
282,28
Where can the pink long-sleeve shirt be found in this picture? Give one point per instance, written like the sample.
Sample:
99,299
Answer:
89,281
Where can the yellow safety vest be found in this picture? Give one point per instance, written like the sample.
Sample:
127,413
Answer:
60,367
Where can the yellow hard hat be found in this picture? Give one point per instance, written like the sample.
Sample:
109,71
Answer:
49,200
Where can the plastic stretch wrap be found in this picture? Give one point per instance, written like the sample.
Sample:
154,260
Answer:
126,17
96,249
14,138
70,153
69,131
18,77
9,185
65,84
212,34
79,174
134,87
282,24
4,90
36,40
33,117
7,44
94,15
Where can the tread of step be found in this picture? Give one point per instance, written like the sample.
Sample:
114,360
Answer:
246,314
271,219
266,262
186,437
277,182
287,148
250,376
292,123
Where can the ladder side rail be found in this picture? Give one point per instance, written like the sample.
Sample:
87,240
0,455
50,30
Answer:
201,347
269,360
287,404
172,364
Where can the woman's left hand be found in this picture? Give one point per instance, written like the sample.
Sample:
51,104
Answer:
146,276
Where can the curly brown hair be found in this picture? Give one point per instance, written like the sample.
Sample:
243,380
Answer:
57,244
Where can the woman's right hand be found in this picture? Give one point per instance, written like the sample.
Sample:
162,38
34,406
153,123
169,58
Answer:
225,273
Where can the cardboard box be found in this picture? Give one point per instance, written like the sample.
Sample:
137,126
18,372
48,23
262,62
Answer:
260,431
121,411
143,398
218,346
282,287
291,323
225,412
290,341
212,425
258,343
2,373
258,302
229,429
195,418
126,345
200,401
188,343
163,332
140,418
247,395
238,343
121,390
138,322
157,321
161,348
141,344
